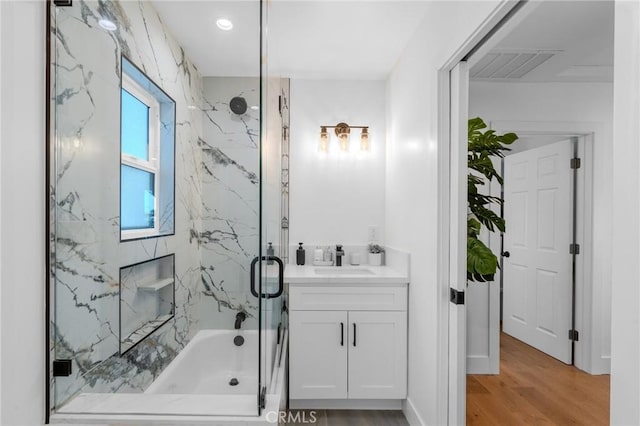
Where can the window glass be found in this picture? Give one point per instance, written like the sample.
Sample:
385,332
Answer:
137,199
147,162
135,127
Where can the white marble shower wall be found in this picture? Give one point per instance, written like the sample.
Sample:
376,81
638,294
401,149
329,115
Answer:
87,252
230,201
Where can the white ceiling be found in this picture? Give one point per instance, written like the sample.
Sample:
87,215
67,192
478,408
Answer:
341,39
579,33
216,52
306,39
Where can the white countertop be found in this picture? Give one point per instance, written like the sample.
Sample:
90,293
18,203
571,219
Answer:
363,274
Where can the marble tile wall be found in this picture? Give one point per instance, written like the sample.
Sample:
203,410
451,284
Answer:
230,200
86,248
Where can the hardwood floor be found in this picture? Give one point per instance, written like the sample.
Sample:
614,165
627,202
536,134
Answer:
536,389
348,418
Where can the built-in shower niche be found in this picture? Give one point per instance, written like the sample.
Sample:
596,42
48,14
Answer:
147,299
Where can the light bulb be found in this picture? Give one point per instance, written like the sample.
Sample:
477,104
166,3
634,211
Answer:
344,141
224,24
364,140
324,140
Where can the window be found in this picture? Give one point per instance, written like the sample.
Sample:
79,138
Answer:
147,126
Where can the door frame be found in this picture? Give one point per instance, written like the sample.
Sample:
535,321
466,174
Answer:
587,354
451,407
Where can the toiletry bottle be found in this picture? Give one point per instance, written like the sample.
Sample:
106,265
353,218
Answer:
327,255
300,255
270,253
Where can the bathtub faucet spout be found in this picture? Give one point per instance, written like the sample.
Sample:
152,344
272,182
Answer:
240,317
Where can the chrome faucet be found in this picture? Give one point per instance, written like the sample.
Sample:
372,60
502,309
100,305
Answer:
240,317
339,254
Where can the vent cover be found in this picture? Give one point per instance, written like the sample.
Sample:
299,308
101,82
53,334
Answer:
509,65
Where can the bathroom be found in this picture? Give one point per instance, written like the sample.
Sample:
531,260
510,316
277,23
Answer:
240,193
190,318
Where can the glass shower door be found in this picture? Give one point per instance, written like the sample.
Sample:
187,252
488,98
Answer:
274,134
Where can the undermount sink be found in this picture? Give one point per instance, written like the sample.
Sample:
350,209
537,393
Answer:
343,271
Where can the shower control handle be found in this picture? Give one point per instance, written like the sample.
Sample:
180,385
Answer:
280,277
341,334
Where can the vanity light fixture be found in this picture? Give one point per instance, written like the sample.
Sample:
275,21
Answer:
224,24
343,130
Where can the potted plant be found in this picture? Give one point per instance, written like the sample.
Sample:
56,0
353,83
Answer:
375,254
482,263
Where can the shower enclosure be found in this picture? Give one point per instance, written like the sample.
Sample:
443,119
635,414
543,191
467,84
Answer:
165,190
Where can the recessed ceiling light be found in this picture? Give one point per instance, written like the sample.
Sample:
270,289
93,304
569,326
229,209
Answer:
255,107
224,24
107,24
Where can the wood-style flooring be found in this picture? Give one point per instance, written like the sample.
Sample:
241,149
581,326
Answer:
536,389
348,418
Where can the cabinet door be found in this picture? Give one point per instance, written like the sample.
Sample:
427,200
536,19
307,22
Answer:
377,355
318,354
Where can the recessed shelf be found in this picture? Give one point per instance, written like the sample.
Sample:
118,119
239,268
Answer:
147,299
158,285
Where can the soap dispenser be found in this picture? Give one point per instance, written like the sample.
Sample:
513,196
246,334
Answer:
300,255
270,254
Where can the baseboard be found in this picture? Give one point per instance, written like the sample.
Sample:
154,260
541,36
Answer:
346,404
411,414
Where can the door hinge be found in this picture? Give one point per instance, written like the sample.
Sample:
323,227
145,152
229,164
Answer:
263,397
575,163
61,367
574,248
280,104
456,296
574,336
63,3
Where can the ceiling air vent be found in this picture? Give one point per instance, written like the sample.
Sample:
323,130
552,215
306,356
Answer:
509,65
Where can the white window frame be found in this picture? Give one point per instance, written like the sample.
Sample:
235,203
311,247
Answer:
153,164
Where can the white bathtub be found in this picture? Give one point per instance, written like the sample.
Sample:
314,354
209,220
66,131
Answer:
193,389
209,362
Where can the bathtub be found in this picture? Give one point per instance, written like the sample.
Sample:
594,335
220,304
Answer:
194,389
209,362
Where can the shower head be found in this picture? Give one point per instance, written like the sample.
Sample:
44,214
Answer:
238,105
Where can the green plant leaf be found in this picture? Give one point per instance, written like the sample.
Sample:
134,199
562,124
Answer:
473,227
483,145
482,264
488,218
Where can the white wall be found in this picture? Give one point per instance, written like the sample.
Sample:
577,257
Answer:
336,196
566,103
625,319
412,187
23,205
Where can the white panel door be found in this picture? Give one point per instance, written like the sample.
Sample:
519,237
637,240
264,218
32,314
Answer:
318,354
537,274
377,355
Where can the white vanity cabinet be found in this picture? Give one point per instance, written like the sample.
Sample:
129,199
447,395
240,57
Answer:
348,341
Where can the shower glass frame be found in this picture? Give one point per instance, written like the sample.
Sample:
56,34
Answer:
60,156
